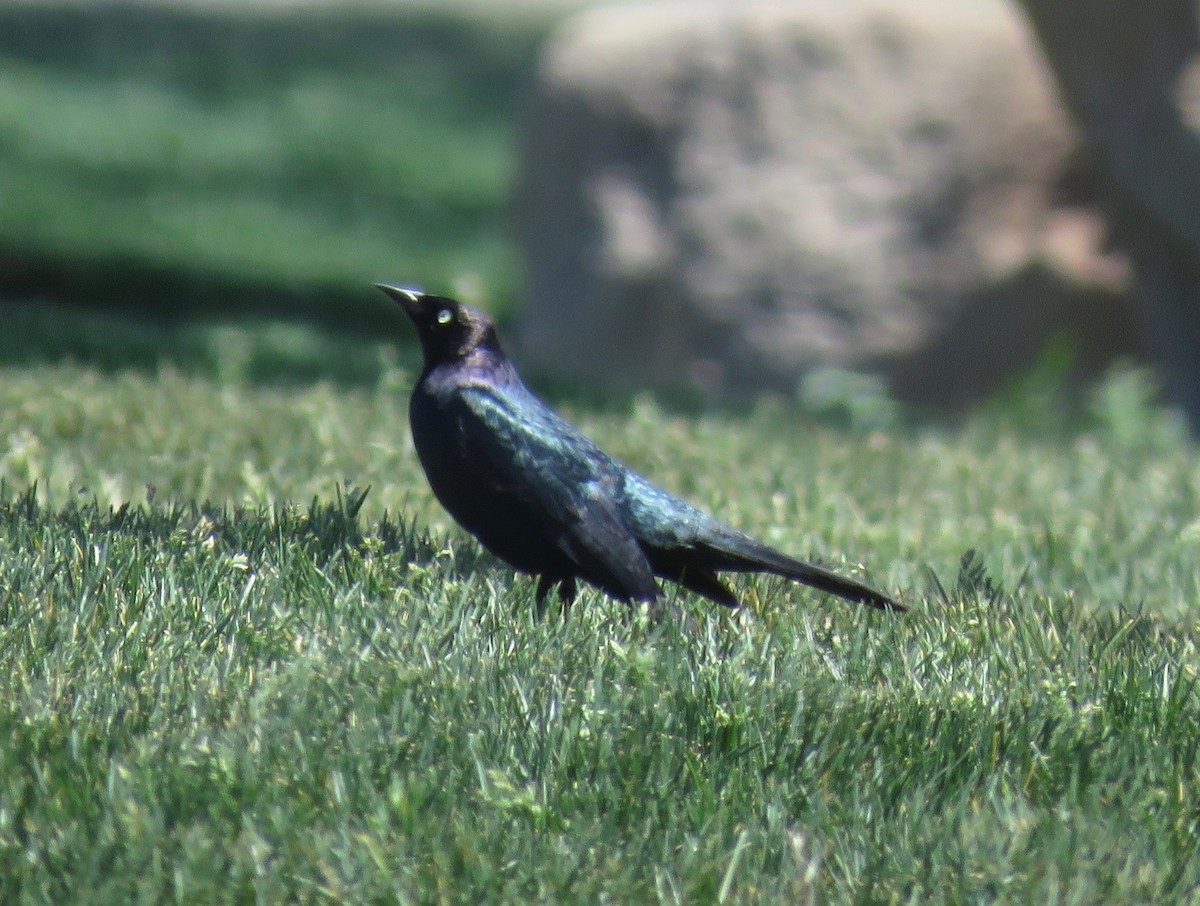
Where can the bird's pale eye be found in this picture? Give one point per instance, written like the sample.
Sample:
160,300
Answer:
445,316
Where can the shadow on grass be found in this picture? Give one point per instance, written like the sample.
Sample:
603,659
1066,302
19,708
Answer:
250,348
167,296
322,531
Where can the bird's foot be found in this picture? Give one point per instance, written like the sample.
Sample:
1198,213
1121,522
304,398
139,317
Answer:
567,589
666,611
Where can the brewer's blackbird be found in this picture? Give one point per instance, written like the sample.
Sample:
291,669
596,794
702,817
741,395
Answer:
546,499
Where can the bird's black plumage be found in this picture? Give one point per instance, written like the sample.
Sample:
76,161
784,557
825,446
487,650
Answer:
542,496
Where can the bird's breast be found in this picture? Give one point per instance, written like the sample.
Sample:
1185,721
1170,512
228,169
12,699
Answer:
487,503
440,439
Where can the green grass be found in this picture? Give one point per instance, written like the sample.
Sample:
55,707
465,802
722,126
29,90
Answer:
227,677
178,161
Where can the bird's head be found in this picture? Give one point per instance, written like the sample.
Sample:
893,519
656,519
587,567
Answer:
448,330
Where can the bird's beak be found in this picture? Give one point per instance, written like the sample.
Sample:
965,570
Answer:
406,297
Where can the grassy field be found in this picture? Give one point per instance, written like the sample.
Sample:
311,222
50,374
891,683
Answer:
245,658
293,693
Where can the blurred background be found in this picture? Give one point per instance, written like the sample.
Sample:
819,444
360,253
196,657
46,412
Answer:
710,199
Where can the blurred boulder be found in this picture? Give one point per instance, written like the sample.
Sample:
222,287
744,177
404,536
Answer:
1130,74
723,196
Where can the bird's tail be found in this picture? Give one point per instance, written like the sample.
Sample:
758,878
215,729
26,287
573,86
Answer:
741,553
851,590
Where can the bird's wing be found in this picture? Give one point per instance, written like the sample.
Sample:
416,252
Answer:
528,450
659,518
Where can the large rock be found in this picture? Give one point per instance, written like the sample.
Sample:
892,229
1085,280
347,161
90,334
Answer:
723,196
1130,73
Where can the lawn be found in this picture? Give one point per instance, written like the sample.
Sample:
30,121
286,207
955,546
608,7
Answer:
228,676
244,657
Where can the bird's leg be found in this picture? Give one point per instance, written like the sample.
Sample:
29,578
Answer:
660,610
543,589
566,593
665,609
567,590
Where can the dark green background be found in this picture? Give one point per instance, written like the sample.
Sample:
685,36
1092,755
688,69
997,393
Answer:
178,163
